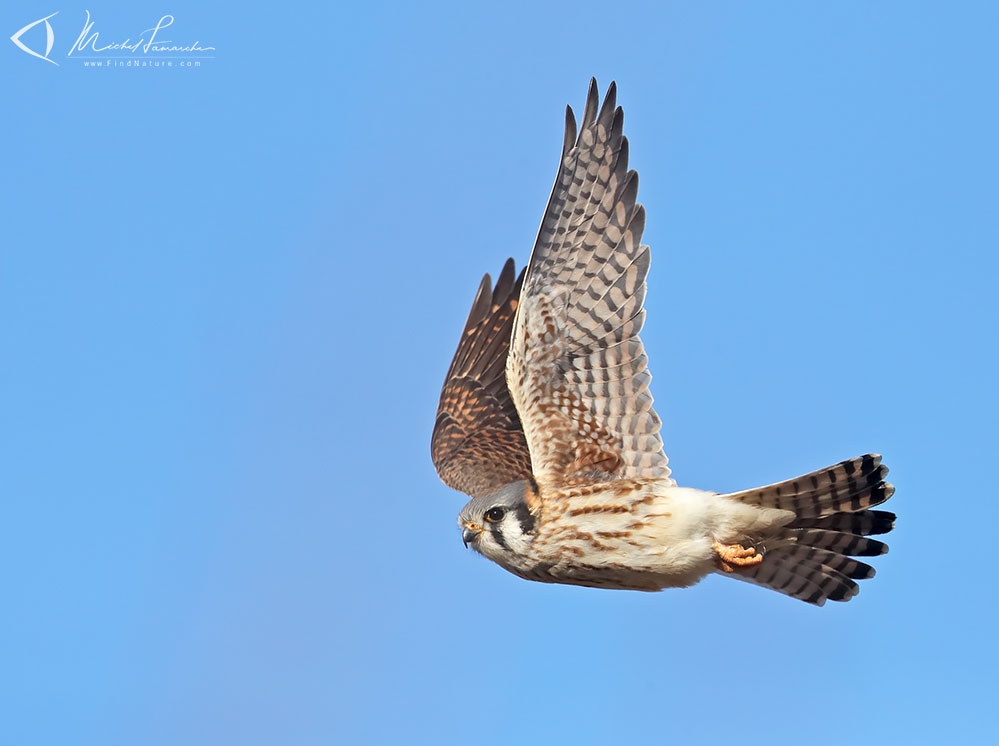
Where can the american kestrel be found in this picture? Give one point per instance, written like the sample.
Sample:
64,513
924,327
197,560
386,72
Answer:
546,421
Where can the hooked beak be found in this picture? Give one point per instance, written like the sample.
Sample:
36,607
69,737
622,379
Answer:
469,533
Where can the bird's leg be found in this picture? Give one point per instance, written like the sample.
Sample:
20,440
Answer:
736,554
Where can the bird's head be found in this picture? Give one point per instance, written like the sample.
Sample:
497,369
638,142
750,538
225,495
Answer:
499,525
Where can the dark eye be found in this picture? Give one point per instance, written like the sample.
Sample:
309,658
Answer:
495,514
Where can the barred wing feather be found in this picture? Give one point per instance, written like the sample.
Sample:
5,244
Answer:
577,369
478,443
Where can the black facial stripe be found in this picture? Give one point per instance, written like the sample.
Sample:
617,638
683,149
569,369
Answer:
494,529
525,518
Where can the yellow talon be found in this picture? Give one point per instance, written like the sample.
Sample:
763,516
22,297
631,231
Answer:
736,554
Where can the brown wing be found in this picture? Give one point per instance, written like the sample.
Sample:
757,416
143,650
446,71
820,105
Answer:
577,368
478,443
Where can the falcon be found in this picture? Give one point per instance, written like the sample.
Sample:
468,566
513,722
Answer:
546,421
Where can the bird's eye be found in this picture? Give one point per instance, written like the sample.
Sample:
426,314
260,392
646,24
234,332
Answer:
495,514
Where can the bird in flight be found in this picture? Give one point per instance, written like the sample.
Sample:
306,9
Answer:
546,421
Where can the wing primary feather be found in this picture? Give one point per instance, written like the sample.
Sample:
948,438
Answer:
480,307
590,112
569,138
504,283
609,108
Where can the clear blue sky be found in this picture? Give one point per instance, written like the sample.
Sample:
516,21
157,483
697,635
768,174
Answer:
229,296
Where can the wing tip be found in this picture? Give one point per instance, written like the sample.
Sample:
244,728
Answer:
592,105
609,107
569,138
481,303
504,283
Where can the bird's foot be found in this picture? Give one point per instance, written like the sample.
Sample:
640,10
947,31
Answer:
736,554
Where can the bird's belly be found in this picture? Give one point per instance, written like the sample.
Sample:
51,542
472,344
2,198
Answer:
634,535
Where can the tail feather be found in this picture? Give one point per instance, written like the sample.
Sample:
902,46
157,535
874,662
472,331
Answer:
847,566
839,542
862,523
805,579
849,486
811,557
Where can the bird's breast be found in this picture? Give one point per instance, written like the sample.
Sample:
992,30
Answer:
640,534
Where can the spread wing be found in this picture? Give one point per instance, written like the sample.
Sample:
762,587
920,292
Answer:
478,443
577,368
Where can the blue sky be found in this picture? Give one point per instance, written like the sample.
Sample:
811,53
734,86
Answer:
229,295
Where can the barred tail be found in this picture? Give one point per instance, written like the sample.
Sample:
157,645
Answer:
811,558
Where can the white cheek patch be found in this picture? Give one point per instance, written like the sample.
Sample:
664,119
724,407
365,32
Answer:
516,540
503,540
